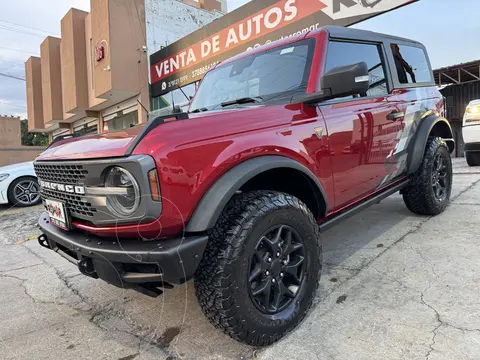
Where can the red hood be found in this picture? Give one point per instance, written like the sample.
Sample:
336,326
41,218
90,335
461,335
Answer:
92,147
116,144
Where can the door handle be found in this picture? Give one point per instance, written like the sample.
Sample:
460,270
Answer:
394,116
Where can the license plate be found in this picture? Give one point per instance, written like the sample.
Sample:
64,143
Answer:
58,214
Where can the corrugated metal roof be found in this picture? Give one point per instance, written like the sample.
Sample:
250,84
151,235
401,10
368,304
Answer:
458,74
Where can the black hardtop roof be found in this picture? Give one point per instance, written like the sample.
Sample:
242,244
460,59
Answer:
357,34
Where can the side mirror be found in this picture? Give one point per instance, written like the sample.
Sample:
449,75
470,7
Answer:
346,80
339,82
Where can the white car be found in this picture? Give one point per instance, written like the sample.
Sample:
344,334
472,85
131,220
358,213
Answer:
471,133
19,185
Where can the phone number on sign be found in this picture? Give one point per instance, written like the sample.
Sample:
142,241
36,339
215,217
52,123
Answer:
201,71
178,81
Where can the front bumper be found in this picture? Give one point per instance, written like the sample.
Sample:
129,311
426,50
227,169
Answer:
471,134
126,263
472,147
3,196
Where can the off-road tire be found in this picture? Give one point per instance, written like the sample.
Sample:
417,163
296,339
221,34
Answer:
221,281
419,196
473,159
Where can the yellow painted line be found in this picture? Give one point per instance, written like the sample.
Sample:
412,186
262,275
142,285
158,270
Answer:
27,239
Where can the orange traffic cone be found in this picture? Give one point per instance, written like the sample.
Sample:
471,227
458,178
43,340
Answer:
105,127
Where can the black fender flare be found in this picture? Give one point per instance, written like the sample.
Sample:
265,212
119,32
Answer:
417,149
211,205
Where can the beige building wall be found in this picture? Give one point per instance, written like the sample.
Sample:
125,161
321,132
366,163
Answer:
11,149
102,77
10,132
90,59
51,80
74,62
18,155
33,75
101,61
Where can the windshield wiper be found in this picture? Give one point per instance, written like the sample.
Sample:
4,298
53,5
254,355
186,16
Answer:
244,100
199,110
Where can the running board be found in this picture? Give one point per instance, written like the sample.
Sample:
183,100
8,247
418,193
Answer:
362,206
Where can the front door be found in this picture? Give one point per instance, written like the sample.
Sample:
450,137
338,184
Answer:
362,134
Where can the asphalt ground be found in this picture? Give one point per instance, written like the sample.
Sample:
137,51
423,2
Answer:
394,286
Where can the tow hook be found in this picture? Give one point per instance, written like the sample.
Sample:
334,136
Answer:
87,268
43,241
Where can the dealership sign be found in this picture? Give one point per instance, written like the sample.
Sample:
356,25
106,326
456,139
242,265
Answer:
256,23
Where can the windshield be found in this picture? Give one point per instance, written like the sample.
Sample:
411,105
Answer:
259,76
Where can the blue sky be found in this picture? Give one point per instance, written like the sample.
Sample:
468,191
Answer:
449,29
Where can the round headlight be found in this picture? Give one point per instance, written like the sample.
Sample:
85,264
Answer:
125,204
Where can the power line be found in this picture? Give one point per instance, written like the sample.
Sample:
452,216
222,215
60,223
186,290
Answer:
20,31
29,27
12,61
12,76
9,104
22,51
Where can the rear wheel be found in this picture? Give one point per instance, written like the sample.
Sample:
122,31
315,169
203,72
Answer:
430,187
24,191
473,159
260,271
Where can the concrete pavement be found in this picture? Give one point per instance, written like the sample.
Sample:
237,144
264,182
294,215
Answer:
394,286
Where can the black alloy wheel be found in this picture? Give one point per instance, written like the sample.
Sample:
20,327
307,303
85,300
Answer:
259,273
277,269
430,187
440,179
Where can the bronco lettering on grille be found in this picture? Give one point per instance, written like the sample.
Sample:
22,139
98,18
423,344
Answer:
71,189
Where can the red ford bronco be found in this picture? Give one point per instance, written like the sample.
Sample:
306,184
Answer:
279,144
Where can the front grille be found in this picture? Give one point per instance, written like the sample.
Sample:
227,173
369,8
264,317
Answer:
62,174
67,175
74,203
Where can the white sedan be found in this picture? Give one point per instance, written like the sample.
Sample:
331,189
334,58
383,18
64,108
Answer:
19,185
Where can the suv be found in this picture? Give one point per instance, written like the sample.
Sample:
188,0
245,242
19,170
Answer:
280,143
471,133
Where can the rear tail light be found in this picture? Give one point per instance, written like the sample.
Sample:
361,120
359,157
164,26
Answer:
154,186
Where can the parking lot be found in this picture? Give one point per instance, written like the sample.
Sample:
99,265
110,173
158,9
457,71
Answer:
394,286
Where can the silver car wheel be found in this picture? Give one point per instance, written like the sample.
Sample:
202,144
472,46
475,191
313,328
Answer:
26,192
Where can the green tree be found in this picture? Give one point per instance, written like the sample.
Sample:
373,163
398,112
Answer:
32,139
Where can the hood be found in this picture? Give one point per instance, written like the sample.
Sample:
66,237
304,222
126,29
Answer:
108,145
92,147
16,167
197,127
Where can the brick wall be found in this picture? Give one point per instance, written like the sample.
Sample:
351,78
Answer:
11,150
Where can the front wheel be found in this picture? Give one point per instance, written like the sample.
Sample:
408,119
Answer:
260,271
473,159
430,187
24,191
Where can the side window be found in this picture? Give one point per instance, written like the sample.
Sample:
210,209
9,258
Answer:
411,63
341,53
